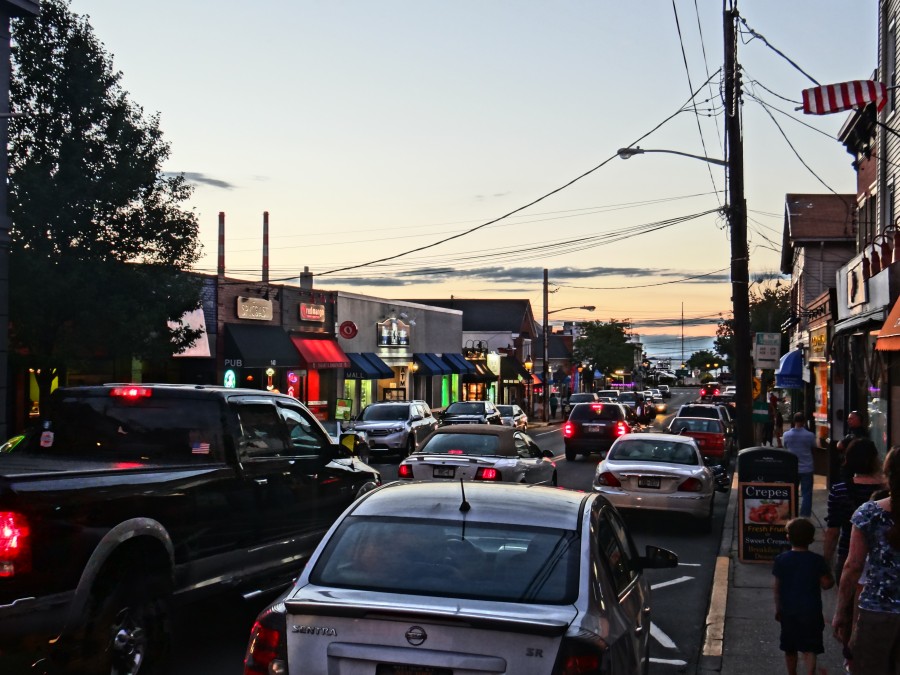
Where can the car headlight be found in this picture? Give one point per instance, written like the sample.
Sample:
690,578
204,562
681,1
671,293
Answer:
397,430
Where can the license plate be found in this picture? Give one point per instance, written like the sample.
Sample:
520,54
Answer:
648,482
592,428
391,669
444,471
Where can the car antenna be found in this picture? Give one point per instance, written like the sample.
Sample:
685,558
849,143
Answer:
465,506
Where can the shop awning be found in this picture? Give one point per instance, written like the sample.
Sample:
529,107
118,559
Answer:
259,347
431,364
360,368
482,373
790,371
384,370
511,369
320,353
458,363
889,336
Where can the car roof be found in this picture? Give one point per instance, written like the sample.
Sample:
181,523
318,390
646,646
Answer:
477,429
488,503
665,437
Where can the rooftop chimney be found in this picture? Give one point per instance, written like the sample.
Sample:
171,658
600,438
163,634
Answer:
306,278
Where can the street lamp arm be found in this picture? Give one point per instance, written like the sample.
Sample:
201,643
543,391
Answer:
589,308
627,153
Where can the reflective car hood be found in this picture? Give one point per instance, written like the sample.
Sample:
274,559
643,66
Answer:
361,426
661,468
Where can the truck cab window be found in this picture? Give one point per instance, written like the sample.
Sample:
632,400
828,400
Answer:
261,431
306,437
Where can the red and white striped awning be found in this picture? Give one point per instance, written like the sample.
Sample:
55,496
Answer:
832,98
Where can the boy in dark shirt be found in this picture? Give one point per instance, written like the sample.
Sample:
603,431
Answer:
800,576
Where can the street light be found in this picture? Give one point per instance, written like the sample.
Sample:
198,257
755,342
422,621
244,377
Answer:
589,308
545,406
628,153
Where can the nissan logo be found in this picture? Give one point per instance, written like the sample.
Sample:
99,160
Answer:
416,635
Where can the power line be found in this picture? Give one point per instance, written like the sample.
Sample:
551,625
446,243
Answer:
661,283
777,51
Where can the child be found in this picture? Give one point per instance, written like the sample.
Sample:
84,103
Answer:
800,576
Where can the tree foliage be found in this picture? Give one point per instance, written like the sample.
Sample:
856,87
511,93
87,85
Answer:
705,360
604,346
100,241
769,309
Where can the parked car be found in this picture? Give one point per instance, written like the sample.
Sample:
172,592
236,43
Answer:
711,391
124,497
395,427
710,434
665,390
430,578
513,416
592,427
579,397
711,410
484,452
471,412
658,472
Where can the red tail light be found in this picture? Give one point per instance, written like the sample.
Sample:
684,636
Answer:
691,485
609,479
580,658
131,393
703,392
568,429
488,473
404,471
716,392
622,429
267,649
15,544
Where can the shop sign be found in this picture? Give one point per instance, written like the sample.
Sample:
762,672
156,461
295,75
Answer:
256,309
767,350
343,408
310,312
319,409
856,286
818,340
764,509
393,333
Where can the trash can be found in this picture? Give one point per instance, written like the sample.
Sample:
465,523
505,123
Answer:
767,498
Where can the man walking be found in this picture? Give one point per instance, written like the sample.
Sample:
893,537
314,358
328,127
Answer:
800,441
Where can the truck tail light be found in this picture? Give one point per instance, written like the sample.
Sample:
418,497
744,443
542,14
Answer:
15,544
691,485
267,649
488,473
609,479
131,393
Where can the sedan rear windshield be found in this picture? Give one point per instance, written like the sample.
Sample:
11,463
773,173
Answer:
597,411
699,411
385,413
669,452
463,444
483,561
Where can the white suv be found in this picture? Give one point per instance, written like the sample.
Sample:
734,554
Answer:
395,427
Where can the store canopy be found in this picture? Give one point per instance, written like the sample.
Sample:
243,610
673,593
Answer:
360,369
889,335
790,371
259,347
320,353
482,374
458,363
431,364
384,370
512,369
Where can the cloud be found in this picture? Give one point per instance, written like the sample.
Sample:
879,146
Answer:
493,196
203,179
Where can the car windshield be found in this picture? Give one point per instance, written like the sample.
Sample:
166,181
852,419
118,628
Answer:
654,450
463,444
596,411
505,410
699,411
385,413
485,561
688,424
460,408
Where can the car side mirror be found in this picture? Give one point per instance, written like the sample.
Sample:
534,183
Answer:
416,418
657,558
547,453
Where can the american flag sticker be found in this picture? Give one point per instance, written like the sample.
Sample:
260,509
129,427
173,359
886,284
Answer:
200,448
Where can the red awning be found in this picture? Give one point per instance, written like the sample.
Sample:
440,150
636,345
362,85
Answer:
889,335
832,98
320,353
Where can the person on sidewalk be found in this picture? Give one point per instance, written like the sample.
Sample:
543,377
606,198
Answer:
800,576
875,547
800,441
554,404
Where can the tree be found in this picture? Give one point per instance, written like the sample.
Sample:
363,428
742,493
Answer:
704,360
99,239
769,309
604,346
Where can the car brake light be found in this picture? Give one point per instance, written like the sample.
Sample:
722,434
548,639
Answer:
580,658
691,485
131,392
621,429
597,406
609,479
488,473
267,649
716,392
568,429
404,471
15,544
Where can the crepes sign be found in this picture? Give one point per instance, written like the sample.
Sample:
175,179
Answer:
764,509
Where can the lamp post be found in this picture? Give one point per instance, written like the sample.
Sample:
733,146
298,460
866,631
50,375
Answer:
529,387
628,153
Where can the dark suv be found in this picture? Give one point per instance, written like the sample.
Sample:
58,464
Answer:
471,412
592,427
395,427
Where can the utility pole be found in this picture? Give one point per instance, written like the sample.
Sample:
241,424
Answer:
545,405
737,216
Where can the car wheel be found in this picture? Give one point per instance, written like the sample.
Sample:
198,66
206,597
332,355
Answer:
570,454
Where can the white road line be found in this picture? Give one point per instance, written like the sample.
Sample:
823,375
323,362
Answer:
661,637
669,662
679,580
681,564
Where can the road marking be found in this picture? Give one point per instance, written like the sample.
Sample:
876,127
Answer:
681,564
669,662
661,637
662,584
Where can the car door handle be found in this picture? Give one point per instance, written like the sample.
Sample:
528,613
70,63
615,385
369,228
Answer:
261,481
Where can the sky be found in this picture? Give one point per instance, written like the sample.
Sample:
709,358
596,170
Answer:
373,128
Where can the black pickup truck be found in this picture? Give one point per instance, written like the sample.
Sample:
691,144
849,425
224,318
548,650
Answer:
127,498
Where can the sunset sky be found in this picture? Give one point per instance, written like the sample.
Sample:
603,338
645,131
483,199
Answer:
369,129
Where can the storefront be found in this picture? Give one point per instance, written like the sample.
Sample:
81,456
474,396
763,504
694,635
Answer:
259,356
818,377
888,346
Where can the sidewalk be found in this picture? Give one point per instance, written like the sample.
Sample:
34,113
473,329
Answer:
741,631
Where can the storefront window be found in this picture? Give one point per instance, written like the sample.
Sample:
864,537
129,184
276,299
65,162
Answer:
445,390
454,388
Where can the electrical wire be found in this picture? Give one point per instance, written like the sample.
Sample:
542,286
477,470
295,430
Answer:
661,283
777,51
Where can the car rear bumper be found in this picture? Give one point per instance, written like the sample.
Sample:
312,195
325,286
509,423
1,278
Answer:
589,444
689,503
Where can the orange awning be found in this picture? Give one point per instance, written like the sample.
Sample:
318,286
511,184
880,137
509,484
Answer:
889,335
320,353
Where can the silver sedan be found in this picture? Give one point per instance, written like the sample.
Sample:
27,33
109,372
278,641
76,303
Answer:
482,452
657,472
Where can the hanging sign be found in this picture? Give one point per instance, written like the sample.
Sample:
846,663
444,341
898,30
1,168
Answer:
393,333
310,312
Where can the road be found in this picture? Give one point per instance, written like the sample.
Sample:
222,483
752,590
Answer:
211,637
